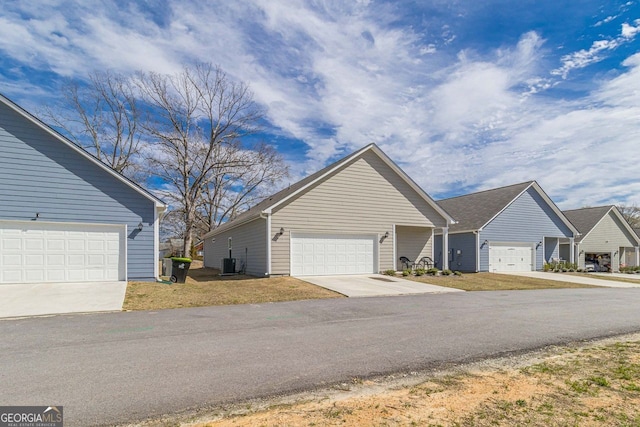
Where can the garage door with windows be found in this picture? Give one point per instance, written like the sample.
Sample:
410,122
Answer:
510,257
327,254
41,252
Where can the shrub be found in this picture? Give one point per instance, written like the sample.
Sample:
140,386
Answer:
446,272
389,272
432,271
406,273
419,271
580,270
457,273
546,267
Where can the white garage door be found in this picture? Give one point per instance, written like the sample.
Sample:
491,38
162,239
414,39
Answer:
324,254
32,252
504,257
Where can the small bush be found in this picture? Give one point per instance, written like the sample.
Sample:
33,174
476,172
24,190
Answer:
406,273
446,272
457,273
580,270
420,271
432,271
546,267
389,272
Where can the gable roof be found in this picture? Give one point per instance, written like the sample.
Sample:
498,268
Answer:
90,157
474,211
267,205
586,219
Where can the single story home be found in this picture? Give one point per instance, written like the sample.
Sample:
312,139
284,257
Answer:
65,216
356,216
605,239
512,228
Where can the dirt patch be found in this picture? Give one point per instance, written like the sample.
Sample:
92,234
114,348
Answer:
593,385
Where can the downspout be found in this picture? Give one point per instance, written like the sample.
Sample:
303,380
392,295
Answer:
267,216
477,251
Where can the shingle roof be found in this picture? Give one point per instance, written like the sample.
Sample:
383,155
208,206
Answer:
637,230
473,211
269,202
585,219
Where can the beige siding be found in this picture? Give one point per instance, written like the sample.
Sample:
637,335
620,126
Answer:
608,236
249,247
414,243
366,197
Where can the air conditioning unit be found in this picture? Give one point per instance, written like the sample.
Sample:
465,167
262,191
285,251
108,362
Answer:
228,266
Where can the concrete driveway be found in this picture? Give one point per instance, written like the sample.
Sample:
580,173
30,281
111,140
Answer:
29,299
374,285
587,280
618,275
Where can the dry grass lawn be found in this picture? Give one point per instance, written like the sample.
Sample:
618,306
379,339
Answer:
205,287
494,282
597,385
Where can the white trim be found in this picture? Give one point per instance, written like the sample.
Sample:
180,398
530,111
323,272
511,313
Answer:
375,237
620,217
549,202
445,248
268,218
478,251
156,243
353,157
395,249
126,253
24,113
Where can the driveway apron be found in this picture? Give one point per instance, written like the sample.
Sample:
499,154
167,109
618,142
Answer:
373,285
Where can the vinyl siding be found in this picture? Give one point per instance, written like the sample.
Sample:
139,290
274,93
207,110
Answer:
552,250
40,174
413,243
466,259
249,247
528,220
364,197
609,235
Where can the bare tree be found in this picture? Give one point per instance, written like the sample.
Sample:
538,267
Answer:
102,115
231,190
193,116
631,213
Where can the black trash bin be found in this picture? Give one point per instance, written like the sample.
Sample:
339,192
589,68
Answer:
179,269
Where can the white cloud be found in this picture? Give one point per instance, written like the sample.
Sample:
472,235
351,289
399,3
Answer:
340,75
585,57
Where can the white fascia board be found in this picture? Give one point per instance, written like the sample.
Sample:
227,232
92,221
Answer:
625,222
33,119
340,164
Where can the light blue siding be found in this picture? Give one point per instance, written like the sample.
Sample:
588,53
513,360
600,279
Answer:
529,219
40,174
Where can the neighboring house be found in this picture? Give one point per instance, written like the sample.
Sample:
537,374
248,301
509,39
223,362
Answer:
171,247
358,215
605,238
513,228
65,216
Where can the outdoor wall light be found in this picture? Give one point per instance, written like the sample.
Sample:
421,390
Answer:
538,244
140,226
386,234
281,231
485,243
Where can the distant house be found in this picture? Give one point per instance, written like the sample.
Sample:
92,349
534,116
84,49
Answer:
606,239
512,228
356,216
65,216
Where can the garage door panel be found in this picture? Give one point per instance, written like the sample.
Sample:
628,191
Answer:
510,257
60,252
317,254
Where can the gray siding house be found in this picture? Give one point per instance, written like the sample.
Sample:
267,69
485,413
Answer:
606,239
65,216
356,216
513,228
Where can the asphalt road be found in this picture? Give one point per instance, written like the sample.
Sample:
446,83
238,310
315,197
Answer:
115,368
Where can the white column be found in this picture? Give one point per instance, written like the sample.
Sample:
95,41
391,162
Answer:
637,255
445,248
572,250
268,272
395,251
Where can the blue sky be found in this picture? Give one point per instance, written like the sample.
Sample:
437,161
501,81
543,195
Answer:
463,95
